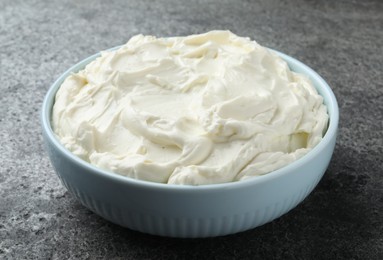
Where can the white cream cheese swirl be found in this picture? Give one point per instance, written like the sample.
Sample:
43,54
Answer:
201,109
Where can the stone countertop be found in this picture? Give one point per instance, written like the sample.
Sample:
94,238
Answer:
341,40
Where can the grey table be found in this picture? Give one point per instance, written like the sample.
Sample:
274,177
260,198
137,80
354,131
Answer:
342,40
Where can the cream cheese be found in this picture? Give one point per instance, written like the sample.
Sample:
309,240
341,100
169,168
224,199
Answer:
202,109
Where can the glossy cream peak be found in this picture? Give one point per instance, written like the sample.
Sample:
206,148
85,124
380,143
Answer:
201,109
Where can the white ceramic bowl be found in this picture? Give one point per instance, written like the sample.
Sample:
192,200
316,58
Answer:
192,211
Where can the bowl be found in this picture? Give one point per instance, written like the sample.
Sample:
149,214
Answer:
192,211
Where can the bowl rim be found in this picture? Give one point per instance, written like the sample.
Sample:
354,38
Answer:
323,88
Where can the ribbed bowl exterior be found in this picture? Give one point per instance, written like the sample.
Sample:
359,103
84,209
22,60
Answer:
186,211
186,227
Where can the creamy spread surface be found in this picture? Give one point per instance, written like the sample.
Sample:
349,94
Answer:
201,109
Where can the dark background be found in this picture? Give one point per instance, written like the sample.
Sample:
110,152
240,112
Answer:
341,40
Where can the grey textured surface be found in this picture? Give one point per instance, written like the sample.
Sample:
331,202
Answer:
342,40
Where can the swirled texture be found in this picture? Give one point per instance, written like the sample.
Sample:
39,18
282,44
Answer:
201,109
